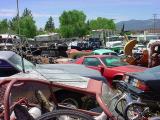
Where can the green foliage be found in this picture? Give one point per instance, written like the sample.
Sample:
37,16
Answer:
57,30
27,27
40,31
67,31
72,24
123,32
27,12
13,24
49,27
27,24
102,23
128,32
4,25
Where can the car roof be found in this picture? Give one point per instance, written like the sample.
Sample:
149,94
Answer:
5,55
101,56
101,51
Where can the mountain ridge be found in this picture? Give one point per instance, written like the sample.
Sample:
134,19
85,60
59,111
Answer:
134,24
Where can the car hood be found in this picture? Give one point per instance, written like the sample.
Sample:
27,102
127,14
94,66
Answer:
129,68
57,76
74,69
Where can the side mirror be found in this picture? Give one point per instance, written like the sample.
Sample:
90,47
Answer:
101,69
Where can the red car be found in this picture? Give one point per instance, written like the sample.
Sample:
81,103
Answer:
112,67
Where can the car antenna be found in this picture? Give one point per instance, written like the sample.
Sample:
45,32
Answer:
21,52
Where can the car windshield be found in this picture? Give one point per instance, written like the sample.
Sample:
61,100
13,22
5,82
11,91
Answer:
112,53
17,61
112,61
108,97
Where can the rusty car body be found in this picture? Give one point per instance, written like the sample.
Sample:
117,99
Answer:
21,89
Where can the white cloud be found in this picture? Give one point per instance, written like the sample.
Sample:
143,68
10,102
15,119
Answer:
12,13
7,12
45,15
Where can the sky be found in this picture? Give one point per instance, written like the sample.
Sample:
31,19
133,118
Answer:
120,10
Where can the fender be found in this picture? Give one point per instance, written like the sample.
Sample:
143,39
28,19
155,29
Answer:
117,75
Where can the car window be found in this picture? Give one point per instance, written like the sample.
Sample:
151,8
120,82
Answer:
114,54
110,54
17,61
105,53
4,64
113,61
91,61
96,53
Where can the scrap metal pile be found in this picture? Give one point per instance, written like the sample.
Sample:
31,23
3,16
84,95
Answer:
104,87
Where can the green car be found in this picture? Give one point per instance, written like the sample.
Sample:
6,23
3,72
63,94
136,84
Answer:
104,52
118,49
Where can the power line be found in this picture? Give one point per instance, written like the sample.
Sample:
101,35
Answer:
154,22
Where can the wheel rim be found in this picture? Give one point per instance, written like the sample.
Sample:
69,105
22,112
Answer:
65,117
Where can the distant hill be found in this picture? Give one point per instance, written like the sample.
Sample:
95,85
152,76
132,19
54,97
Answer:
138,24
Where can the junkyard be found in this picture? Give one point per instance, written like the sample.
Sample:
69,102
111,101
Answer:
78,67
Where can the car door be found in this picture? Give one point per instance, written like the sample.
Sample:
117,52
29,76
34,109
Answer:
92,62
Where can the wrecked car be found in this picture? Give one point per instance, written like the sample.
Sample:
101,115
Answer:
112,67
32,96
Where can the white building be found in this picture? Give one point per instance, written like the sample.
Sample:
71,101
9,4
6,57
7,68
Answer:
47,37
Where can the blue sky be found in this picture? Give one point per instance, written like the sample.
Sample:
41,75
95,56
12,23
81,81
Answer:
119,10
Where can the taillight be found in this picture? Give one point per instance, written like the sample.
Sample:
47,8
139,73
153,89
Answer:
140,85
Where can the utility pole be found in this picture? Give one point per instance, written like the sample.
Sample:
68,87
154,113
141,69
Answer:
154,22
19,32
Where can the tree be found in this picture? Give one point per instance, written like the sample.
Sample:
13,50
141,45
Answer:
40,31
13,24
26,22
27,27
4,25
49,27
27,12
123,32
102,23
88,27
72,24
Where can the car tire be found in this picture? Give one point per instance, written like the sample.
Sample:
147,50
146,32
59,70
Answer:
58,113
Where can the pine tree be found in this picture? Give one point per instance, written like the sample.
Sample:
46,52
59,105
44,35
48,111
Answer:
49,27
